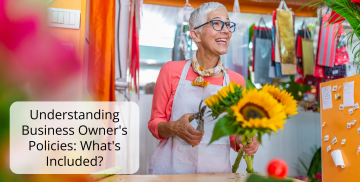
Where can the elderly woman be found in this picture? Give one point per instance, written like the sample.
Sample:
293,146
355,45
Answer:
179,89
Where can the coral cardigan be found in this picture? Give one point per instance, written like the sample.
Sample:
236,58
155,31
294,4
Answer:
164,93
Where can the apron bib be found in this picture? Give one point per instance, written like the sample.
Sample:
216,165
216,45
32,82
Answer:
174,155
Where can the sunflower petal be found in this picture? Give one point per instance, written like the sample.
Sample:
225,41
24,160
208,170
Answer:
223,93
232,87
208,102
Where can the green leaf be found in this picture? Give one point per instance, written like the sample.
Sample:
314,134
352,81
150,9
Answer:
315,165
260,134
302,162
224,127
247,132
257,178
253,131
249,84
239,130
251,32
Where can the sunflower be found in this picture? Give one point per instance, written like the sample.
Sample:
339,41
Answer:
285,98
214,99
223,93
274,91
232,86
258,109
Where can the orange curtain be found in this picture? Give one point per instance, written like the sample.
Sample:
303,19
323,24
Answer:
101,66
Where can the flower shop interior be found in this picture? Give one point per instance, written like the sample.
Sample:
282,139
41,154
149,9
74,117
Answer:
300,139
298,143
121,46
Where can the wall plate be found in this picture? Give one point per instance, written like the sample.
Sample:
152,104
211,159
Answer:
63,18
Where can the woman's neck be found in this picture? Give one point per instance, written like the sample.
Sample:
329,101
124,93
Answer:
206,59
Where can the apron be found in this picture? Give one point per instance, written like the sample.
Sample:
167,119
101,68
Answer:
174,155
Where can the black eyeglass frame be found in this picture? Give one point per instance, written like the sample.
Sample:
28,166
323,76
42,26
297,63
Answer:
223,23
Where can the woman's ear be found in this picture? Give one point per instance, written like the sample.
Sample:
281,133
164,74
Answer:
195,35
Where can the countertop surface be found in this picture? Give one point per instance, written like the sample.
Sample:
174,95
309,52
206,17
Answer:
205,177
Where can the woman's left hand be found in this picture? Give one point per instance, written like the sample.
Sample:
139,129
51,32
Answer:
251,148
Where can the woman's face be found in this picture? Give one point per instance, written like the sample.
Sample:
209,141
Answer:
216,42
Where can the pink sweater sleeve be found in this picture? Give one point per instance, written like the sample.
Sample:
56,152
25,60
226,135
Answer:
233,143
239,80
161,97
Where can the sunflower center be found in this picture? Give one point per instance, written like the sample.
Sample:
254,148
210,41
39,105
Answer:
253,111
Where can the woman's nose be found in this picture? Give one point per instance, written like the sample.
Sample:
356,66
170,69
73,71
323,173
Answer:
225,30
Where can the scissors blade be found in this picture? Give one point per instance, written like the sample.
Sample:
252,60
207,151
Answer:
199,118
194,116
203,110
200,126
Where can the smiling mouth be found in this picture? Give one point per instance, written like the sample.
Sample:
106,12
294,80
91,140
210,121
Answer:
221,41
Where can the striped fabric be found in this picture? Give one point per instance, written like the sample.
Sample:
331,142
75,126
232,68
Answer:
326,56
273,43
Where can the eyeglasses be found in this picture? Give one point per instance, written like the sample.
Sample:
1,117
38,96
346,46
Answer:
218,25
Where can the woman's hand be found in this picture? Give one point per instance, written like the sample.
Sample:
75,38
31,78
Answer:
249,149
185,131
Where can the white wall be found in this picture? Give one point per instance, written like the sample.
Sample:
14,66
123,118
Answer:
300,134
148,143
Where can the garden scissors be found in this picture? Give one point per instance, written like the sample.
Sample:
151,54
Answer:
199,116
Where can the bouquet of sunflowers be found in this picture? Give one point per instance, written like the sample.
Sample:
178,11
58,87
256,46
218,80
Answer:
249,112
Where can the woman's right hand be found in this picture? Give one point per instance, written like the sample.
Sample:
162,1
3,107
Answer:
185,131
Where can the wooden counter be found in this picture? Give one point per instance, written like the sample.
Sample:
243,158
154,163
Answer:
206,177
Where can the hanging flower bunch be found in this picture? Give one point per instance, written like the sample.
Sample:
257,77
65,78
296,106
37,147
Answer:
248,112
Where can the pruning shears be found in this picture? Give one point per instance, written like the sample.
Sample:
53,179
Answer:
199,116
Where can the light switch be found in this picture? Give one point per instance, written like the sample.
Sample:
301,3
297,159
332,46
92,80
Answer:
54,18
72,19
61,17
66,18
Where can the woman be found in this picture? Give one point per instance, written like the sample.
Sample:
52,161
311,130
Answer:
179,89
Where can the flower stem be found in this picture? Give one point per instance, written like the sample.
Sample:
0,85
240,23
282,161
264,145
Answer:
237,161
248,159
249,163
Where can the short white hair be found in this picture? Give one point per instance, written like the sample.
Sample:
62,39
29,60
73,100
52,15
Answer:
199,15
